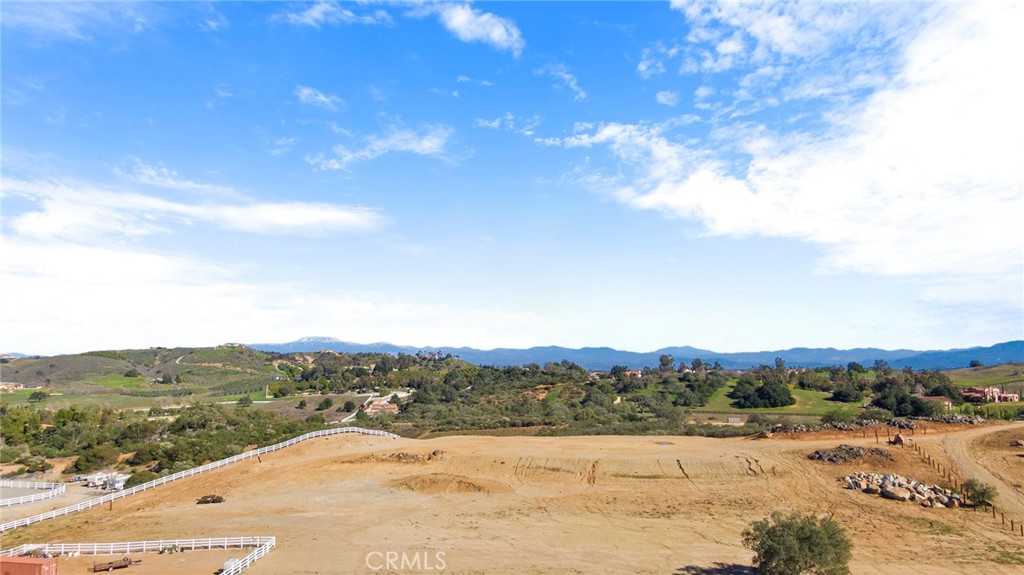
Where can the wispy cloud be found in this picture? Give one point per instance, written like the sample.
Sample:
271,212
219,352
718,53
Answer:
428,141
48,21
667,98
75,211
211,20
464,79
331,13
315,97
510,122
888,189
281,146
471,25
163,177
565,79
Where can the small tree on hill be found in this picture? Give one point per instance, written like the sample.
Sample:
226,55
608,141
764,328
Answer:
325,404
979,492
798,544
349,406
301,405
244,401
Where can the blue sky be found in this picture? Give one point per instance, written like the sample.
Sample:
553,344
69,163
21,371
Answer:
738,176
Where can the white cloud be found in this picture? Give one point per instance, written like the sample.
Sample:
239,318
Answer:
48,21
73,211
281,146
428,141
484,83
565,79
315,97
471,25
667,98
329,13
922,180
212,20
511,122
93,292
163,177
652,60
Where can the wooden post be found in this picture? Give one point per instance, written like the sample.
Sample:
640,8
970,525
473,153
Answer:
1003,517
259,459
1012,528
876,435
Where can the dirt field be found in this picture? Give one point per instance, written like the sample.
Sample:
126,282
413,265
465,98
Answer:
616,505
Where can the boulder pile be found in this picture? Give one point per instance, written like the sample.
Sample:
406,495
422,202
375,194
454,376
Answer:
898,488
845,453
958,418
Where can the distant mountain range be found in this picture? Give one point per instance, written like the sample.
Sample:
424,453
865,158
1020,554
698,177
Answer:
603,358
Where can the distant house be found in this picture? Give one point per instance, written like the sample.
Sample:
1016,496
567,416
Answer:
381,407
989,395
4,386
947,404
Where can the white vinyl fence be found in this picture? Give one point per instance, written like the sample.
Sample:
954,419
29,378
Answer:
263,546
51,490
14,524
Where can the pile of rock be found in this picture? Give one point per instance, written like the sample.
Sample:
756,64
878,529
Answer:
902,423
898,488
845,453
957,418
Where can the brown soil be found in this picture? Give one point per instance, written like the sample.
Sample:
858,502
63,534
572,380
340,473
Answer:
544,505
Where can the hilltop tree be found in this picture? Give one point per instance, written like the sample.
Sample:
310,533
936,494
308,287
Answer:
38,396
798,544
666,363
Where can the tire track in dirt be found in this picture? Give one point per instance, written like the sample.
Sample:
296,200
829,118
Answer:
960,448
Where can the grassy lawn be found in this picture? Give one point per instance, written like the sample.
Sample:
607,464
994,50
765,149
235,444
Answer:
808,402
118,382
111,400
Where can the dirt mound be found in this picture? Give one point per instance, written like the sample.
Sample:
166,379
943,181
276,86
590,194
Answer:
433,483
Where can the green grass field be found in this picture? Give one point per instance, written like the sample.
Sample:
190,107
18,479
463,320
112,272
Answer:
808,402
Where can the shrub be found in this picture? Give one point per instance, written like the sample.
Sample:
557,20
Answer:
979,492
140,477
327,403
798,544
837,416
847,394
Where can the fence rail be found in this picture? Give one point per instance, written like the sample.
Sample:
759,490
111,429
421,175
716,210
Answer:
52,490
14,524
263,545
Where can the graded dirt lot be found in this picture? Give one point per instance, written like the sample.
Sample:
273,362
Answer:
616,505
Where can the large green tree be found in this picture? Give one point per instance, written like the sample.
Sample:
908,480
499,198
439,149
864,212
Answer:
798,544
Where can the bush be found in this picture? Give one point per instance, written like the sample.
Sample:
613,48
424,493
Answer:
837,416
847,394
140,477
327,403
979,492
798,544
